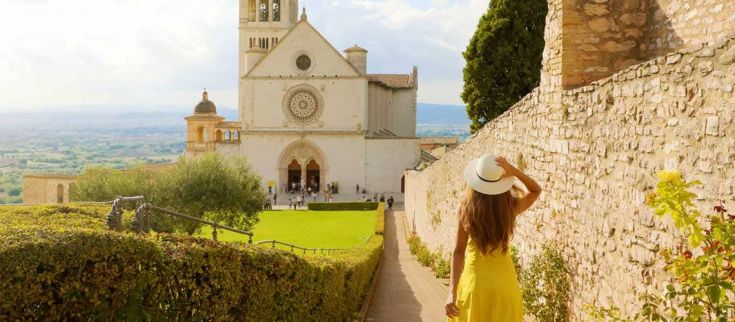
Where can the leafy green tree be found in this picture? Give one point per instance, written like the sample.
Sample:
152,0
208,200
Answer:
503,58
223,190
14,192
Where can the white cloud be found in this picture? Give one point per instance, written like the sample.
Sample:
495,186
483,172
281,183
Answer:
58,53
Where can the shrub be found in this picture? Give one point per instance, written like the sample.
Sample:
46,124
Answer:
703,268
222,190
342,206
72,215
435,260
64,270
380,223
545,285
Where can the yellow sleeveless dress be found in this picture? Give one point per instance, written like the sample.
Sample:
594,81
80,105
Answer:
488,288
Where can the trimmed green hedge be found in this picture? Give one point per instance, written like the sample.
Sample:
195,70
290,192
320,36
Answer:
342,206
380,224
63,270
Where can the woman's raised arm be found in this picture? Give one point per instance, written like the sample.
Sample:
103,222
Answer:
534,190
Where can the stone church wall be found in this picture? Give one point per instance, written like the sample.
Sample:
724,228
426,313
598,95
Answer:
386,162
596,155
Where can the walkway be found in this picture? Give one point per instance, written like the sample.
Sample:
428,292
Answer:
405,291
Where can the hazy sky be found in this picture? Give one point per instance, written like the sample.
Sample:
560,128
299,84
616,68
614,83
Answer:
62,54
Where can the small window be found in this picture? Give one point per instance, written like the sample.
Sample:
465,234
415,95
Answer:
276,10
263,10
303,62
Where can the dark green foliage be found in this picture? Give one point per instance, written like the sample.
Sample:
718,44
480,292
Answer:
223,190
503,58
65,265
341,206
14,192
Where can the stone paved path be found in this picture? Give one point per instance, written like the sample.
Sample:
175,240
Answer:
405,290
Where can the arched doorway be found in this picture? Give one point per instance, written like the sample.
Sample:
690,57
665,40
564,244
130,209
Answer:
294,175
59,193
313,175
311,162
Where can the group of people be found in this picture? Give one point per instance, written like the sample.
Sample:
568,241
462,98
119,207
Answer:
300,193
389,201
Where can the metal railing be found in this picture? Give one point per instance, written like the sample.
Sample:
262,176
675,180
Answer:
142,223
142,220
294,247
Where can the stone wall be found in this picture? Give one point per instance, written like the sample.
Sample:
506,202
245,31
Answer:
47,188
602,37
596,155
675,24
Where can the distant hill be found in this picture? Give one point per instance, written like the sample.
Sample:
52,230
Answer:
441,114
173,117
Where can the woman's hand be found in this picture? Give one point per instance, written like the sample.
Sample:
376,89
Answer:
451,308
510,170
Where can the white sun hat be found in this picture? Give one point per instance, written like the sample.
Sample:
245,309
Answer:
485,176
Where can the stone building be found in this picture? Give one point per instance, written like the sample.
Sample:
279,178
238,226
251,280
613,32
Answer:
628,88
47,188
308,113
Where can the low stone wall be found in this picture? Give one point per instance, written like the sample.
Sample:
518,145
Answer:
596,156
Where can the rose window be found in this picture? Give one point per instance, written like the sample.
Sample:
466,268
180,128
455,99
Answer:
303,105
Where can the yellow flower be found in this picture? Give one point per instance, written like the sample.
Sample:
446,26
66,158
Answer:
669,175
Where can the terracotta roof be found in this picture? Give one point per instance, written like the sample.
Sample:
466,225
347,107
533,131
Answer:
392,80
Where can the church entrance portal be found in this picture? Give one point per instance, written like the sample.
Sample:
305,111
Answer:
302,163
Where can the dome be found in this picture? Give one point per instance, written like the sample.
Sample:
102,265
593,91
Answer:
356,49
205,106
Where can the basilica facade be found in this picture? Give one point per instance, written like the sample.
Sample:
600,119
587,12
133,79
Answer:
310,114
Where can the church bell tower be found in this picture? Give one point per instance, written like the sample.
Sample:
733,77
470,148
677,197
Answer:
262,25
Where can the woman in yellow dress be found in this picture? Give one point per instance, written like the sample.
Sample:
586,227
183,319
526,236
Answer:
484,286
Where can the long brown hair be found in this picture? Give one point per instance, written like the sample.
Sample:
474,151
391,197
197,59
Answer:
490,219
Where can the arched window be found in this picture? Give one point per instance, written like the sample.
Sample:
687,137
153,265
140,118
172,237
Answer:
263,10
276,10
236,136
200,134
251,10
59,193
228,136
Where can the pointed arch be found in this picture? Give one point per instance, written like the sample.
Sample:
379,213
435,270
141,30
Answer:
311,161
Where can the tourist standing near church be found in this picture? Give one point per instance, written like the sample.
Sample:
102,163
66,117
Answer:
484,285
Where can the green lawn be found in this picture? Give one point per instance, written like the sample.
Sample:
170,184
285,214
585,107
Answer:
311,229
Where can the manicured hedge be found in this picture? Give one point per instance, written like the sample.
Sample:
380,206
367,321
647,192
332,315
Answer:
380,224
342,206
84,272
